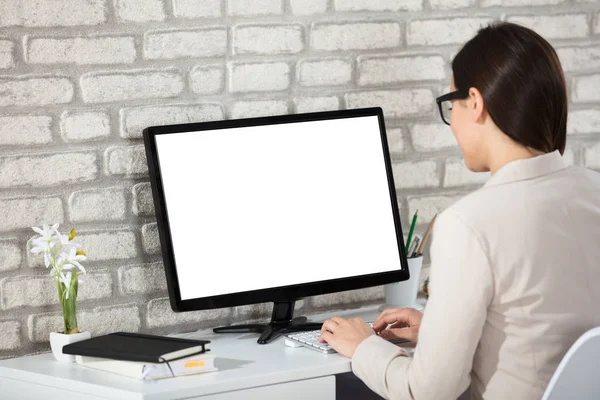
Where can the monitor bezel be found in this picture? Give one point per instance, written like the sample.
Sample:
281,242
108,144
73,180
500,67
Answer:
277,294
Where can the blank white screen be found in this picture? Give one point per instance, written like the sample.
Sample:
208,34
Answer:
275,205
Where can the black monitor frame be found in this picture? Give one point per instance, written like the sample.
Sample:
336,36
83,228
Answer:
278,294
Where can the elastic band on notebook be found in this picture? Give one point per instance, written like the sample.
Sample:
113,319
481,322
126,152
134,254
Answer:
168,365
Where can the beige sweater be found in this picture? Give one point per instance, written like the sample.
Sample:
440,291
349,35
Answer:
515,279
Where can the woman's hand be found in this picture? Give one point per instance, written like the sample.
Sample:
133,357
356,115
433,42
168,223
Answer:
406,322
345,335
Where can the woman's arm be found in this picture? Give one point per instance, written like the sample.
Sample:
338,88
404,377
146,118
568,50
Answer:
461,288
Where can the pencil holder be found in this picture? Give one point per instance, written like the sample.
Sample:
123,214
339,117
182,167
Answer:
404,294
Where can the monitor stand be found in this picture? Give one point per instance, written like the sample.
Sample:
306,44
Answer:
282,321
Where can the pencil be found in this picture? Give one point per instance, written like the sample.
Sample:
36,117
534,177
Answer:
411,231
426,236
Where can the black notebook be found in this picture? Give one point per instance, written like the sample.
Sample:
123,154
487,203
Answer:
137,347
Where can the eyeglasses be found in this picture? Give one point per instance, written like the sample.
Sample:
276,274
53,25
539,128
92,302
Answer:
445,103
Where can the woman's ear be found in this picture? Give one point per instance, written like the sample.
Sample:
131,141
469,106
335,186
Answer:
476,105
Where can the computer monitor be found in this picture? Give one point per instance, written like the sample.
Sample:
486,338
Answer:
275,209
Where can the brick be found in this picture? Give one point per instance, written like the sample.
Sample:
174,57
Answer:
324,72
99,321
97,204
380,5
255,7
47,169
586,88
349,298
40,290
207,79
105,87
259,108
417,174
428,206
24,212
150,239
315,104
81,50
197,8
371,35
395,140
113,245
308,7
142,278
126,160
25,130
161,315
259,77
583,121
169,45
10,332
385,70
555,26
513,3
451,4
134,120
581,58
59,13
35,91
457,174
253,312
7,59
444,31
428,137
395,103
597,26
10,254
268,39
142,200
81,126
140,10
592,156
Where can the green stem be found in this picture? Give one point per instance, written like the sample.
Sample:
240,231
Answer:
69,305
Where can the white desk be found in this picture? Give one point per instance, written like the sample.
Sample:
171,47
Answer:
247,370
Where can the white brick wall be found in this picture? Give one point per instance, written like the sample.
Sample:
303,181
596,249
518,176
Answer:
81,79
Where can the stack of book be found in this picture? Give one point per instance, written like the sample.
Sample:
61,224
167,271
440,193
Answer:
142,356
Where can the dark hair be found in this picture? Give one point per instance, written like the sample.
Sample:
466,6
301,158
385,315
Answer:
522,83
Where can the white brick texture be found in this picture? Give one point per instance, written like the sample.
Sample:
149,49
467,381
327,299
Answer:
451,4
140,10
52,13
35,91
385,70
512,3
268,39
355,36
142,199
42,170
428,206
114,245
207,79
134,120
586,88
584,121
7,59
197,8
443,31
248,8
126,160
10,255
556,26
350,298
97,205
107,87
395,140
142,278
308,7
168,45
592,157
260,108
10,332
150,239
315,104
395,103
24,212
420,174
430,137
259,77
328,72
80,126
457,174
81,50
380,5
25,130
581,58
160,314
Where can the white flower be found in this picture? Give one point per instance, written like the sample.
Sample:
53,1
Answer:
45,242
66,280
72,260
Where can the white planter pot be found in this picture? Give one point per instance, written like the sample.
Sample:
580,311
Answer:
58,340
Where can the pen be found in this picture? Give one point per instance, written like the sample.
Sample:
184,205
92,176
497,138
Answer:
426,236
411,231
412,252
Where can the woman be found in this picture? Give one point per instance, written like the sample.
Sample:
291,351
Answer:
515,265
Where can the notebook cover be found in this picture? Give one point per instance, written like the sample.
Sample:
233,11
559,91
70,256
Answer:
132,346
